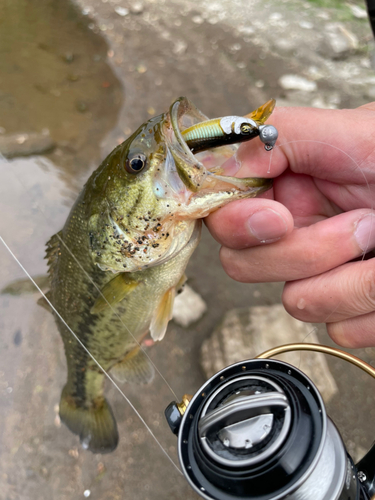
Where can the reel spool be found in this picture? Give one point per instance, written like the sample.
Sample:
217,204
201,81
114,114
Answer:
259,430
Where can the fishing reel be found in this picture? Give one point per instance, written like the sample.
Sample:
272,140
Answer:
258,430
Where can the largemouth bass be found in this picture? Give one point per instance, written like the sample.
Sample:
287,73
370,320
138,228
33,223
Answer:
118,262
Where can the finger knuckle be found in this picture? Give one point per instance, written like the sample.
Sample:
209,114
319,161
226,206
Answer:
366,291
231,265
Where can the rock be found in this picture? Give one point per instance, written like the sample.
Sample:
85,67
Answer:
136,8
338,42
323,15
121,11
296,82
179,47
81,106
370,92
365,62
307,25
68,57
188,307
197,19
286,46
326,102
276,16
13,145
245,333
358,11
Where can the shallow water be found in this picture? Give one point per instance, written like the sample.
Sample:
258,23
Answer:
54,76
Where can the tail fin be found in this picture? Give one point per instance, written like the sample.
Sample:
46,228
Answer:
95,425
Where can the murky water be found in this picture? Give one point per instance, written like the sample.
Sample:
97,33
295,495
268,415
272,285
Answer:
54,76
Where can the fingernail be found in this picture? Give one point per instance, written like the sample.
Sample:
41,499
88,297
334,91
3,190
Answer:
267,225
365,233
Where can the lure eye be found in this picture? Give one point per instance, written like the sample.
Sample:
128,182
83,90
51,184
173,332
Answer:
246,128
135,164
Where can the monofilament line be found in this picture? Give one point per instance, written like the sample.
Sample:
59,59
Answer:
92,357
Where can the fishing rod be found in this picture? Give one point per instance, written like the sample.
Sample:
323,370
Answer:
258,430
371,14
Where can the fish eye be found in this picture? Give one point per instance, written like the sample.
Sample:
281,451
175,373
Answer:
135,163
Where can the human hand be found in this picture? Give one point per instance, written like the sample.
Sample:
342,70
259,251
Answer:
317,218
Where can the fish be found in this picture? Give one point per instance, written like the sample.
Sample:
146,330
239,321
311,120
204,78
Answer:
120,259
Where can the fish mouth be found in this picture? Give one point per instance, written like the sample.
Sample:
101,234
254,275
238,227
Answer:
203,168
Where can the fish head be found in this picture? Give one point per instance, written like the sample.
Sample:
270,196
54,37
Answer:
144,199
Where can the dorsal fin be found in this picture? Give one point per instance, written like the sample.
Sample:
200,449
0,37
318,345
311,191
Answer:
52,251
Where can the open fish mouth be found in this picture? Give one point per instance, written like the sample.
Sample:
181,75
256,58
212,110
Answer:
201,147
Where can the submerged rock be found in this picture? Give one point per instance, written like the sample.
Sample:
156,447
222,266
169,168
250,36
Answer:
358,11
338,42
13,145
136,8
296,82
245,333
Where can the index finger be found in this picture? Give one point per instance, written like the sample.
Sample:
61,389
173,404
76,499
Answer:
334,145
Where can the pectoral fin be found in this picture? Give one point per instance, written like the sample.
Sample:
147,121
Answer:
162,315
113,292
134,368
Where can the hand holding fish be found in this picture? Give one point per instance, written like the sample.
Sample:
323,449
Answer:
316,220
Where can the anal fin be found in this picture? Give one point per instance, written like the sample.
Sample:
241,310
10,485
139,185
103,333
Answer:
162,315
134,368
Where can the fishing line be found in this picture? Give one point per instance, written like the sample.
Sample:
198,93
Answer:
371,206
269,165
100,292
92,357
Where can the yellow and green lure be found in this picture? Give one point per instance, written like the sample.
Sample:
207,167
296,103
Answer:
232,129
